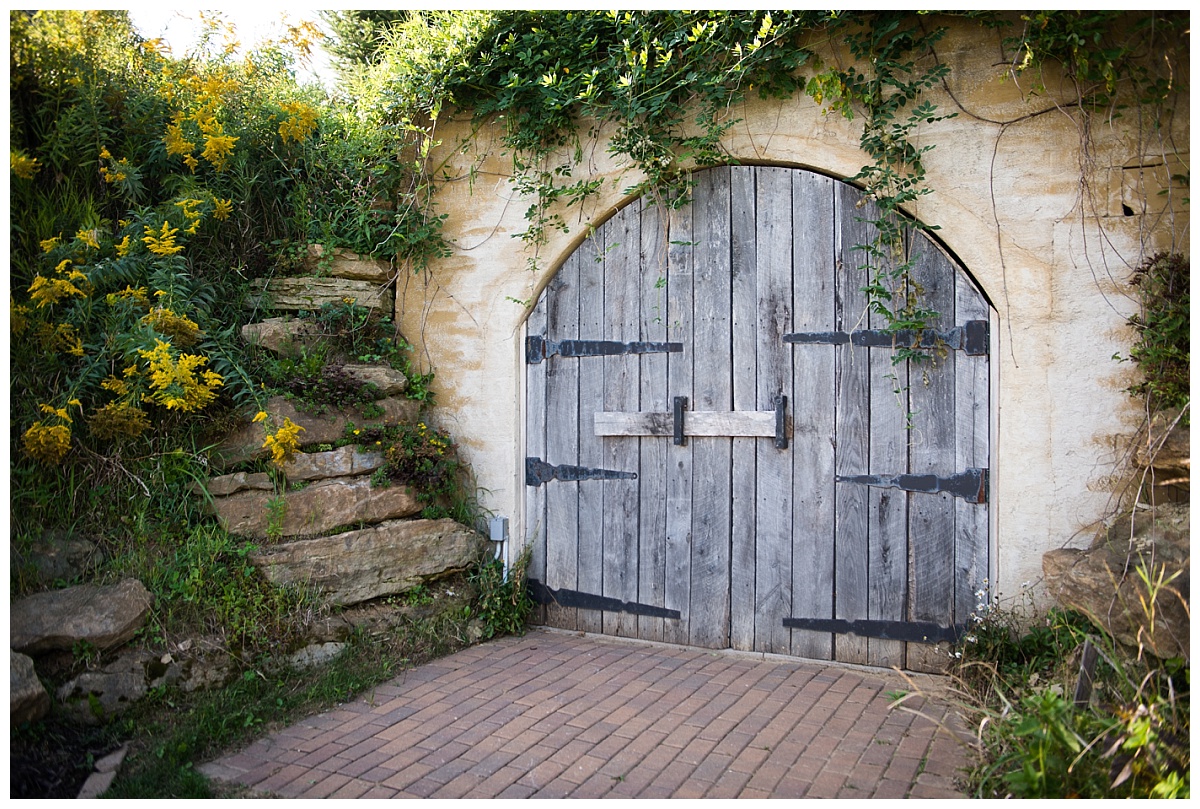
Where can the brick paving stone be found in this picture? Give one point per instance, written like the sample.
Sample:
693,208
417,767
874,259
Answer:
554,714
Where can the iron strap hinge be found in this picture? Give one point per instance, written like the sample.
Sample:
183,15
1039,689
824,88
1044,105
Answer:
538,472
908,631
538,348
970,338
971,485
541,594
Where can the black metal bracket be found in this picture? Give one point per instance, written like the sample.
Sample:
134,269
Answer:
538,472
678,408
538,348
970,338
781,439
971,485
541,594
908,631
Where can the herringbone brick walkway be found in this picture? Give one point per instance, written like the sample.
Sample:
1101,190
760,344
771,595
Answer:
556,714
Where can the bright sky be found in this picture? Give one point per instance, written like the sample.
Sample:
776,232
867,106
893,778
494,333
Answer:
253,22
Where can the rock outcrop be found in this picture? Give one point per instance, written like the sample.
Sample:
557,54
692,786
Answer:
315,509
1108,581
28,700
385,559
103,616
310,293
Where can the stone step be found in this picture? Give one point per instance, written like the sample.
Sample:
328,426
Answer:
381,560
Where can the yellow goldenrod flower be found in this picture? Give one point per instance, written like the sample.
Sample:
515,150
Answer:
217,149
22,166
123,247
301,121
176,142
17,316
173,380
163,242
47,443
222,208
191,162
284,443
50,244
105,154
88,237
61,412
182,330
260,416
47,292
117,386
118,419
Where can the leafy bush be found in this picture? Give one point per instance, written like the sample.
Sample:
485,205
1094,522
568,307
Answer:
1163,347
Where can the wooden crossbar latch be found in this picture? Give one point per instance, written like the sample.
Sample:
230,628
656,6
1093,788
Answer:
681,423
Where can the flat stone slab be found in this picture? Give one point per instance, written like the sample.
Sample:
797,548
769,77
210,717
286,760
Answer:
348,461
316,509
283,335
342,263
245,444
104,616
27,700
308,293
385,559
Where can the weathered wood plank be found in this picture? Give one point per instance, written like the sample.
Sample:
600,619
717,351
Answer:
887,570
652,468
971,408
622,314
744,317
679,458
535,445
562,440
851,541
712,390
813,409
590,552
933,450
773,466
751,423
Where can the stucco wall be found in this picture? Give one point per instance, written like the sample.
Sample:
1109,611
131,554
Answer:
1037,220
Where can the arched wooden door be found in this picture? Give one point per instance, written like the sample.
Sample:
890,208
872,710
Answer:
720,451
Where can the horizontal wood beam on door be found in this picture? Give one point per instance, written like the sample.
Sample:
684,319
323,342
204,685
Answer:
741,423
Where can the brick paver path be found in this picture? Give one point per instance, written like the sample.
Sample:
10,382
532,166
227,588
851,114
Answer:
557,714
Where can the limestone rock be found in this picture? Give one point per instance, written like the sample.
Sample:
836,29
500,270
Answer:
240,481
59,556
381,560
103,616
315,509
28,700
283,335
96,696
1103,582
389,381
346,461
315,655
325,428
309,294
345,264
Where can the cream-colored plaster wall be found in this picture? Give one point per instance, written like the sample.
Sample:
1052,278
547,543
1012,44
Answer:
1045,239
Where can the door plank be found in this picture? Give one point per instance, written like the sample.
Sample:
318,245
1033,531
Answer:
887,572
679,458
652,467
622,314
971,554
743,318
712,390
933,450
562,440
751,423
852,550
590,549
813,411
773,511
535,446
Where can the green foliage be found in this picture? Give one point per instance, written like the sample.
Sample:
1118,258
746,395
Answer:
1129,741
1163,347
503,602
424,459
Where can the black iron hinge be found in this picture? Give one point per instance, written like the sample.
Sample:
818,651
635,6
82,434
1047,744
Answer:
538,348
970,338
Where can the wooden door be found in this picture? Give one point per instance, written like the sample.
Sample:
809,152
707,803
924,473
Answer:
720,451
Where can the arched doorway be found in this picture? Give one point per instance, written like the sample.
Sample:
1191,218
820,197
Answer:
720,451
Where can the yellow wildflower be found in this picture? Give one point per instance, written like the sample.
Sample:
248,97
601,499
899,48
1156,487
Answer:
222,208
176,142
105,154
47,292
22,166
47,443
118,419
217,149
174,381
301,121
191,162
17,315
260,416
189,206
117,386
182,330
284,443
123,247
88,237
137,296
162,243
50,244
61,412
